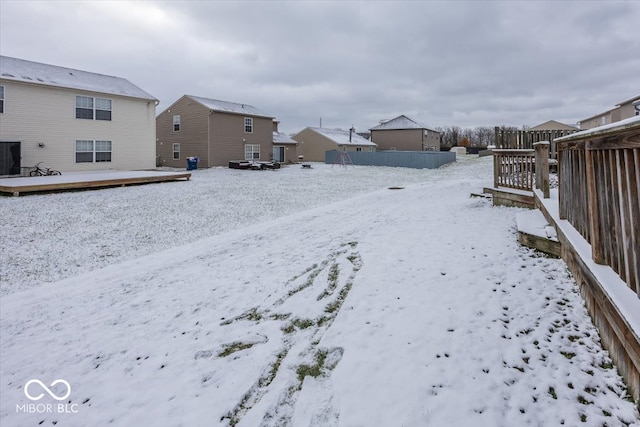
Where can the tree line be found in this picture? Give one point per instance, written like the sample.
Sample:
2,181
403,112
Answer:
480,136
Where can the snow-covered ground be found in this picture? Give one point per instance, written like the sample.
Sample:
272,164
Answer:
294,297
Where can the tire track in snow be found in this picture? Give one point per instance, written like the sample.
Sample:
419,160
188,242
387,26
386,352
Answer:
310,303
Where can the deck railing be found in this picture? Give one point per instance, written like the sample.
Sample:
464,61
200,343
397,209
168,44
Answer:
514,169
599,194
517,168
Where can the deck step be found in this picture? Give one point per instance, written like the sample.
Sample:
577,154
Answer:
534,231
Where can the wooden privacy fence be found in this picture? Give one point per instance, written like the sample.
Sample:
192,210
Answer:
599,194
525,139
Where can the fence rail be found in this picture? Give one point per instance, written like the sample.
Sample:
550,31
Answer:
514,169
525,139
599,194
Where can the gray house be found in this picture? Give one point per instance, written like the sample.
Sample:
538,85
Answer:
405,134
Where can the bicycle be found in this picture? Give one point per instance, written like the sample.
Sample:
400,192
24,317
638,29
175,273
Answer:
43,172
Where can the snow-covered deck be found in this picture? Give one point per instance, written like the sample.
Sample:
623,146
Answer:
83,180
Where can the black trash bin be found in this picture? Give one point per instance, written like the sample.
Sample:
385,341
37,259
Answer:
192,163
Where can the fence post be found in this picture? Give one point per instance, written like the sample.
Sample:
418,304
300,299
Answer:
542,167
595,233
496,166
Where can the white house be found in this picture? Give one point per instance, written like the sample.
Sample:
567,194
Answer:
72,120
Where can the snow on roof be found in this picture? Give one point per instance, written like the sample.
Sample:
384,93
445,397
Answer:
341,137
53,75
230,107
400,122
281,138
631,122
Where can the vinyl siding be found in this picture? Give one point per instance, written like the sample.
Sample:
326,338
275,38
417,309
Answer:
42,114
192,137
228,138
401,139
216,138
406,139
313,146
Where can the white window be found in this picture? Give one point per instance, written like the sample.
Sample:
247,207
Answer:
89,151
103,151
103,109
176,123
88,107
1,99
84,151
358,148
84,107
248,125
251,152
176,151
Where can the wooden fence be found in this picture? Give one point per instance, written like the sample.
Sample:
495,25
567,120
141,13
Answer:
514,169
599,194
525,139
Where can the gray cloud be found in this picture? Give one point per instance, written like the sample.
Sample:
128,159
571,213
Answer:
476,63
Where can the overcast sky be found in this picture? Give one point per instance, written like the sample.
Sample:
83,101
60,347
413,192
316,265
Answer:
475,63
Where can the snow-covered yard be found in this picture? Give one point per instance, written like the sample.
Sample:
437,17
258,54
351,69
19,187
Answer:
295,297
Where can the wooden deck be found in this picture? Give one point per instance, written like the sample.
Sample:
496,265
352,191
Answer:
534,231
86,180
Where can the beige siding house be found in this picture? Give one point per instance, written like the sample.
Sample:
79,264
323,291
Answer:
313,142
553,125
285,149
217,132
624,110
72,120
405,134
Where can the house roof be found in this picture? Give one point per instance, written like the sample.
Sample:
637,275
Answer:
281,138
628,101
20,70
230,107
400,122
622,125
553,125
341,137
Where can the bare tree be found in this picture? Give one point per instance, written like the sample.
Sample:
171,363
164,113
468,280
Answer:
483,135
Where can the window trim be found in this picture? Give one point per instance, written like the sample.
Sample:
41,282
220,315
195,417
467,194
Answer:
173,148
102,151
176,123
251,150
1,99
96,155
93,108
248,125
102,110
